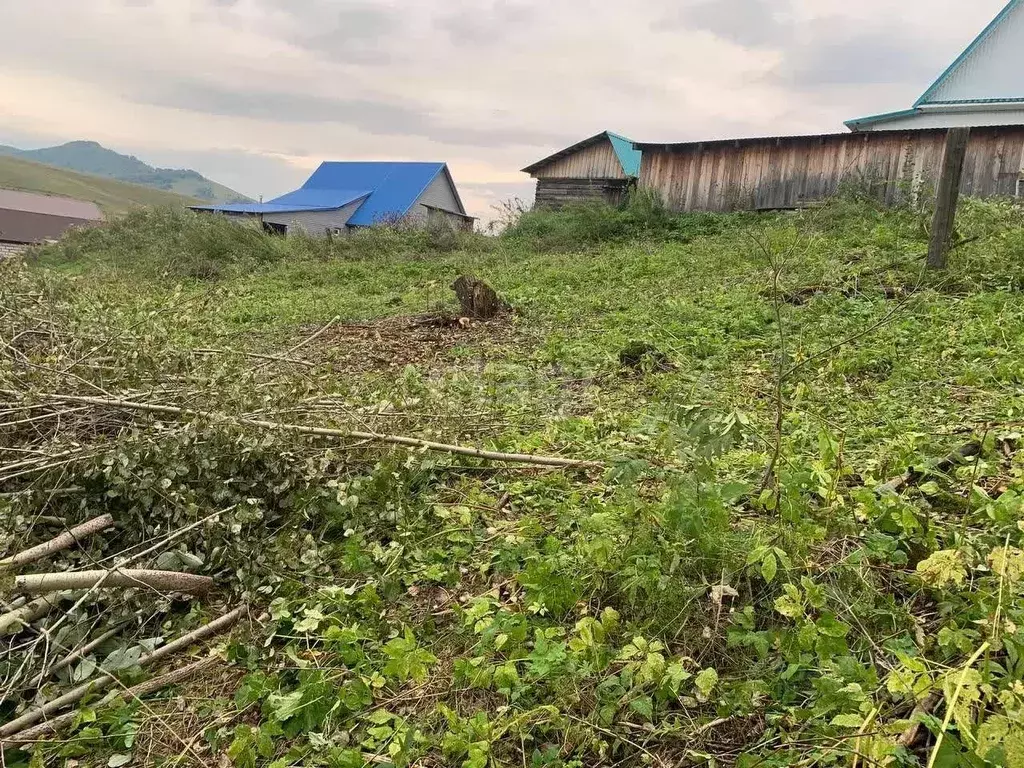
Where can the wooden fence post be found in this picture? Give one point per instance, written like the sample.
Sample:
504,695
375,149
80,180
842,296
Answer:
948,195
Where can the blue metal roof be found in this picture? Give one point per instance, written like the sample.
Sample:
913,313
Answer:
390,190
395,186
294,202
985,33
629,156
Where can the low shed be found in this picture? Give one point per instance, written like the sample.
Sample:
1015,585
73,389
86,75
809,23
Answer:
27,218
599,169
788,172
342,196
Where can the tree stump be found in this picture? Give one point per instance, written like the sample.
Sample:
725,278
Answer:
477,299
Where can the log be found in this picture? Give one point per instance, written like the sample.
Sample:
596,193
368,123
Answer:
214,628
15,621
914,474
411,442
65,541
148,688
162,581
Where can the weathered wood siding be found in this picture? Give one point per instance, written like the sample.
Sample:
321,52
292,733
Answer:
557,193
595,162
764,174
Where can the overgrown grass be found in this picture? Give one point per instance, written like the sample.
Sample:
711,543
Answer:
681,607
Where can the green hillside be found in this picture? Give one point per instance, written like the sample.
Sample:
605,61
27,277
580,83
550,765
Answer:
90,157
112,196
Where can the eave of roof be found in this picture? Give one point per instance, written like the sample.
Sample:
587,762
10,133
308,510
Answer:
602,136
882,118
985,33
343,199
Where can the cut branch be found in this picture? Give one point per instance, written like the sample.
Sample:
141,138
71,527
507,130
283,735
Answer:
59,544
16,620
411,442
214,628
148,688
162,581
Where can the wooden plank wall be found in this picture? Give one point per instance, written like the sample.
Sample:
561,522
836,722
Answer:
766,174
557,193
598,161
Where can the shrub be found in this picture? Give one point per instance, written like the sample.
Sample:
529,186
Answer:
643,216
169,242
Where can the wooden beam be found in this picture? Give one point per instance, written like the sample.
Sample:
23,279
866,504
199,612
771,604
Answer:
957,140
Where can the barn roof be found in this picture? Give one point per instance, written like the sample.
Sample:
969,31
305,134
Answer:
388,190
625,150
49,205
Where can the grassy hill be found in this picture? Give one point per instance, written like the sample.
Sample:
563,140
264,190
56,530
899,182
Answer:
726,581
112,196
92,158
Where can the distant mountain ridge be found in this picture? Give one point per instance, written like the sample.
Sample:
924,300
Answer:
93,158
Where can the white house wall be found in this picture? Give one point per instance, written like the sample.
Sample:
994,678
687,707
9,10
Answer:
950,119
993,70
439,194
314,222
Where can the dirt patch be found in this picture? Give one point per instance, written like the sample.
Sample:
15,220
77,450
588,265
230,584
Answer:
429,342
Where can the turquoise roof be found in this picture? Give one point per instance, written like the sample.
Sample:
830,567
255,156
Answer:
629,156
853,124
625,151
985,33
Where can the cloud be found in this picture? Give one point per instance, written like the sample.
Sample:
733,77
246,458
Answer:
831,53
254,93
755,23
486,22
379,118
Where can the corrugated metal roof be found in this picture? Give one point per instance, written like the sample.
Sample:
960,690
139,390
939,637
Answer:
390,189
395,186
49,205
625,150
300,200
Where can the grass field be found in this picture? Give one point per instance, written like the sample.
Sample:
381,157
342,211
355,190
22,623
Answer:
112,196
721,583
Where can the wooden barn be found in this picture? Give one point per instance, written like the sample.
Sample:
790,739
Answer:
599,169
789,172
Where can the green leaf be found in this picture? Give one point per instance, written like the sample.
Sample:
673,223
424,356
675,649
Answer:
848,721
643,706
285,707
116,761
705,683
769,567
992,737
943,569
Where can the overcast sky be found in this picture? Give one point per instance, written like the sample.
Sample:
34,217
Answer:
255,93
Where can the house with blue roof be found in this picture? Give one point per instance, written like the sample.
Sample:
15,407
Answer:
342,196
983,87
599,169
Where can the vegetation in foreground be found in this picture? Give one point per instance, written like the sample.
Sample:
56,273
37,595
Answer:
734,588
